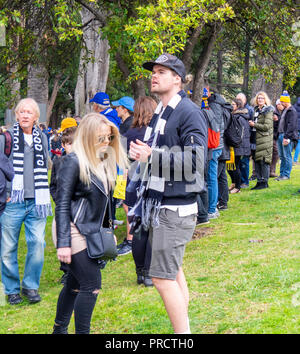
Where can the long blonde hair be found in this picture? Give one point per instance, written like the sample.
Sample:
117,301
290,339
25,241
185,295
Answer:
261,93
85,147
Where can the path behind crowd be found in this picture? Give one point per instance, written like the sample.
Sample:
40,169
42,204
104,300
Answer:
242,270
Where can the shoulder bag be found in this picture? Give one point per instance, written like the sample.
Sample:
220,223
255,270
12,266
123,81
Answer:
101,245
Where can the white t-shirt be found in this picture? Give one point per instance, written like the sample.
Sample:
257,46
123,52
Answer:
28,138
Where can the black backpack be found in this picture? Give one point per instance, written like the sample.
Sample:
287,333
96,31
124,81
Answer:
234,133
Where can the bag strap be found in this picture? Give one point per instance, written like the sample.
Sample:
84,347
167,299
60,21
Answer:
8,143
110,220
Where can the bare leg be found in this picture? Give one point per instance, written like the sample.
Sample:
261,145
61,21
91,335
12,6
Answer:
174,294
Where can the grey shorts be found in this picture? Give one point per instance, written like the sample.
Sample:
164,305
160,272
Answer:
168,243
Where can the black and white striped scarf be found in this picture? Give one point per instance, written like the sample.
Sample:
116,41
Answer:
40,172
156,185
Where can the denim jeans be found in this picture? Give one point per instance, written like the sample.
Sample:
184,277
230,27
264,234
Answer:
15,214
244,168
297,150
285,154
212,181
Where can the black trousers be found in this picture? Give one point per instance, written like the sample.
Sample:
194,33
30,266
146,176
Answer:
79,293
142,251
222,183
262,171
236,174
202,201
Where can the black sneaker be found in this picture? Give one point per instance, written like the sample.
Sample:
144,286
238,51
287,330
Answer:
120,245
14,299
202,222
127,248
32,295
222,206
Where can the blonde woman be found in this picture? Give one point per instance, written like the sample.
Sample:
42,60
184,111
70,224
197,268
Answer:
263,126
84,181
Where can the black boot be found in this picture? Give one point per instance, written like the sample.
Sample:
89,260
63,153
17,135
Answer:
258,186
59,329
140,275
147,279
262,185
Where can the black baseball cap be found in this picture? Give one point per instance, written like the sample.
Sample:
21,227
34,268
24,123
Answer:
169,61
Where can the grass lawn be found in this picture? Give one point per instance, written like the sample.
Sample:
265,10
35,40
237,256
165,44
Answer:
236,286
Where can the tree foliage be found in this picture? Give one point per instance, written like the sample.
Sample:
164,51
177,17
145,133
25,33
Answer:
51,32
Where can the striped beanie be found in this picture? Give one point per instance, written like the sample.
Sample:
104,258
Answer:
285,97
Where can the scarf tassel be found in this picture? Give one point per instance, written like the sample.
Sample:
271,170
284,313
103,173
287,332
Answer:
17,196
43,210
151,208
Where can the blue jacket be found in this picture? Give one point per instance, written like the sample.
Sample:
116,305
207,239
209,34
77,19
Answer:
6,174
185,146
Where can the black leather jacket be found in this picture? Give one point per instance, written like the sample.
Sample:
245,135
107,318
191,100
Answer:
76,202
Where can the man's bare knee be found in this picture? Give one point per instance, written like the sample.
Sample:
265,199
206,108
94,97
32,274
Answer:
161,283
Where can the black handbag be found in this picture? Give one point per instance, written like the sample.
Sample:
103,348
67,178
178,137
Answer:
101,245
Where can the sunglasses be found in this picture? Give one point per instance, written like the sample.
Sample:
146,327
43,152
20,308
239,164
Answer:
103,138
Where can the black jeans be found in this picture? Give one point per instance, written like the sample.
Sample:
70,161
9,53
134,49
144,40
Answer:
262,171
79,293
141,251
202,201
222,183
236,174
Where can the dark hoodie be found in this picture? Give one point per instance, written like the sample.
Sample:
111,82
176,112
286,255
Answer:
243,116
297,108
6,174
217,104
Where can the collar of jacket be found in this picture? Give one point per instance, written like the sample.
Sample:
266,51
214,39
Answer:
98,184
265,109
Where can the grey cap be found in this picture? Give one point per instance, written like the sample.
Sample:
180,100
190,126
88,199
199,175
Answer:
169,61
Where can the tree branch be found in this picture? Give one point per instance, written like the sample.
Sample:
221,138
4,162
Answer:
99,16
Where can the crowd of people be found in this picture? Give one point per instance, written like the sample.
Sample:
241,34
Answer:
186,153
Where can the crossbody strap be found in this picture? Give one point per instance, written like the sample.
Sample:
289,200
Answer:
110,220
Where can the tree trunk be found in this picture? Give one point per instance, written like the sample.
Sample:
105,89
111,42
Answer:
55,90
273,88
202,64
37,83
220,71
245,86
14,88
139,88
189,47
93,66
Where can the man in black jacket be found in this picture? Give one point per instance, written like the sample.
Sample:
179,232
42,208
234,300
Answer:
288,134
177,169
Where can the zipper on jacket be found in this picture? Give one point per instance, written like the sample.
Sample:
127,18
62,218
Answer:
106,202
78,211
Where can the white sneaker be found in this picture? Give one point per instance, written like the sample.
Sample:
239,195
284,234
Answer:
214,215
